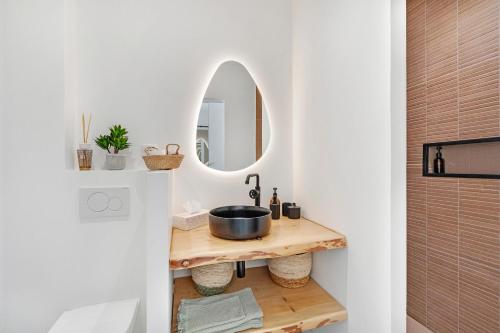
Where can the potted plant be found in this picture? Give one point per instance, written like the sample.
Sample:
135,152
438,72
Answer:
113,143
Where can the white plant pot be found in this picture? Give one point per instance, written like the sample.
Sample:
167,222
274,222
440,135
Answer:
115,161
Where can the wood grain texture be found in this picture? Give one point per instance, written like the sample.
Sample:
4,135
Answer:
285,310
198,247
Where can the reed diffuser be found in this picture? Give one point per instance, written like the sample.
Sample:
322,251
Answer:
85,151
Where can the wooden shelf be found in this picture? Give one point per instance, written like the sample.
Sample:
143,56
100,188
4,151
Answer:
285,310
198,247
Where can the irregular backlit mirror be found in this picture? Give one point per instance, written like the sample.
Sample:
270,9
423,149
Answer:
233,126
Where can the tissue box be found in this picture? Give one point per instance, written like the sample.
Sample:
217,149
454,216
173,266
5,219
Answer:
187,221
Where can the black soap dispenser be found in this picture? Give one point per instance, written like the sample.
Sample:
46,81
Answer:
439,162
275,205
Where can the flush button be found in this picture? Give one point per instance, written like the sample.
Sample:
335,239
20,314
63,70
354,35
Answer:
98,202
104,203
115,204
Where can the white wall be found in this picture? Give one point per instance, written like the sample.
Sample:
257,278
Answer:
123,61
233,84
2,91
342,142
143,64
148,65
398,166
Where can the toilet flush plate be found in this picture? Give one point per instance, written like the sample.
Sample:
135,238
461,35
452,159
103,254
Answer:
103,203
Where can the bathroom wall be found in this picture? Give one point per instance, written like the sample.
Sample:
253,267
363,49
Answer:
2,243
143,64
398,167
342,151
133,67
453,224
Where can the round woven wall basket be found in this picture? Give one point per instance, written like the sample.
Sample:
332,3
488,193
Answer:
212,279
292,271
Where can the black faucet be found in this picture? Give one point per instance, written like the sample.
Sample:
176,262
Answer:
254,193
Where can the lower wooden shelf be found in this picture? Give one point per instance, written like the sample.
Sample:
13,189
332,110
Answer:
285,310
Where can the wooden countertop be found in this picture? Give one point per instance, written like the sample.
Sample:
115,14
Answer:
198,247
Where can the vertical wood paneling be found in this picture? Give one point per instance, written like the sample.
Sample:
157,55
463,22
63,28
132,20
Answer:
453,92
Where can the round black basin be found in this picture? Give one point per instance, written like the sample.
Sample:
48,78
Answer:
239,222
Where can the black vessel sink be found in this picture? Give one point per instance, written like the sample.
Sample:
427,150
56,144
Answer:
239,222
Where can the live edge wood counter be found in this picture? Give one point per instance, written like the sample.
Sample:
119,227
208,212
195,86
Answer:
198,247
285,310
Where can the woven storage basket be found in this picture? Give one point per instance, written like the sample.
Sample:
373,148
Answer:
164,162
292,271
212,279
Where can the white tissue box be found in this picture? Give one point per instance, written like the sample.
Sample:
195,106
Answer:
188,221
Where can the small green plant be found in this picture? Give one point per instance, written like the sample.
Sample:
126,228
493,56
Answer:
116,139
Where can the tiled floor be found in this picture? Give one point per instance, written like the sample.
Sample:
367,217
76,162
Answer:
413,326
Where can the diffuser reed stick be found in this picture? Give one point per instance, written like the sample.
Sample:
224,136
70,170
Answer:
86,128
83,127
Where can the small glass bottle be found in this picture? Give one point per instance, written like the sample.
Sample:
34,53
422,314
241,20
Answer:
275,205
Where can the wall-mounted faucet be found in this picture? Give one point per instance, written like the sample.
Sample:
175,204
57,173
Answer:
254,193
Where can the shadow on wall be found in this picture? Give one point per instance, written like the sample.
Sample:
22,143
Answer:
330,271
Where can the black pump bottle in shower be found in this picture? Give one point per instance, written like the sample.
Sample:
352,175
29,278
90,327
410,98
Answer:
439,162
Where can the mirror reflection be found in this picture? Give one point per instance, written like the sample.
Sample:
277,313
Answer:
233,126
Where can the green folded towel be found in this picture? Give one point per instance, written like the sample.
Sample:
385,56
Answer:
227,313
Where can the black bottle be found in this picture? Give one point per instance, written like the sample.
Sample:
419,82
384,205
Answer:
439,162
275,205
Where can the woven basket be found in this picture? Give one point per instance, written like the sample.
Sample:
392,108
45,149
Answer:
212,279
292,271
164,162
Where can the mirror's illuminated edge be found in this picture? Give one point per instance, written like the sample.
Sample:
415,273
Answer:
233,129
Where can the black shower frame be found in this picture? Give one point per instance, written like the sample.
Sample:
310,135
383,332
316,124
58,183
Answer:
425,159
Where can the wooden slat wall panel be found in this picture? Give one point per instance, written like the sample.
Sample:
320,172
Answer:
453,92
